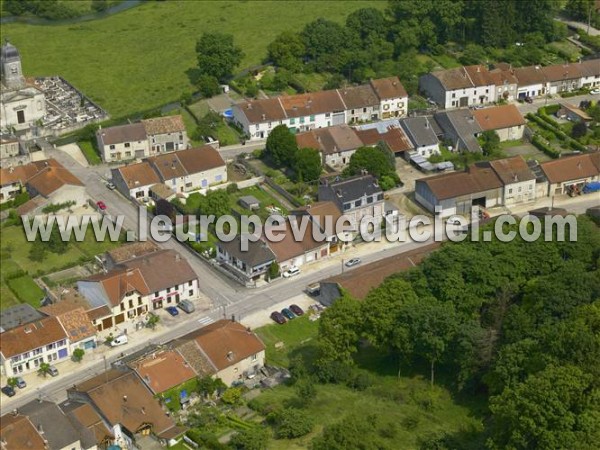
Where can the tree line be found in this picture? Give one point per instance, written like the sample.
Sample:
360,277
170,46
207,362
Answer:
516,324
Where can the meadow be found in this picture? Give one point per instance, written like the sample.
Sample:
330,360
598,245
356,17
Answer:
139,59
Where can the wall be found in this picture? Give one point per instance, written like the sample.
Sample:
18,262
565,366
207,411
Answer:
236,371
34,109
519,192
158,143
511,133
121,152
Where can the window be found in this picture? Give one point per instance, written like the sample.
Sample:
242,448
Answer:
130,304
156,294
256,127
352,111
520,189
510,191
369,199
37,351
454,95
346,206
127,145
312,118
301,119
122,306
112,147
254,357
139,300
292,121
168,290
357,203
269,124
191,292
364,110
190,283
386,107
327,114
21,116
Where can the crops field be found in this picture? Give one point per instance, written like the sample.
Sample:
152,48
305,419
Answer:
139,59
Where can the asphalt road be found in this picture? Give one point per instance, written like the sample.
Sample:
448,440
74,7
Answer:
539,102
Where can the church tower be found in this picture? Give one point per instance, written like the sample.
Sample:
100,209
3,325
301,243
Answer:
10,61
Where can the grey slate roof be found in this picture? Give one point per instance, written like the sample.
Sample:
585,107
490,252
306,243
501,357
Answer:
420,131
463,124
18,315
350,189
57,428
258,252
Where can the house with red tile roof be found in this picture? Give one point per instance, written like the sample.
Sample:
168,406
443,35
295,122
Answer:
568,175
505,120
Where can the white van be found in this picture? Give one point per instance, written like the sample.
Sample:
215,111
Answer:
291,272
119,340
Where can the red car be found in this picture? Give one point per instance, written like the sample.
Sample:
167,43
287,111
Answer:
278,317
101,205
296,310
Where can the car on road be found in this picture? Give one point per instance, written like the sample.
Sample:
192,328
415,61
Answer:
288,314
8,390
172,310
21,384
119,340
111,186
278,317
187,306
296,310
101,205
352,262
528,100
53,371
291,272
595,91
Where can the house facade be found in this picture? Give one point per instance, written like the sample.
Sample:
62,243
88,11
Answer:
23,349
421,134
519,182
250,265
135,180
505,120
568,175
336,144
122,142
165,134
393,98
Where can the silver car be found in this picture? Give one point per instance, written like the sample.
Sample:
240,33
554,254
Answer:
352,262
187,306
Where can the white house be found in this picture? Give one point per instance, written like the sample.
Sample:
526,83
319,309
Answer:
531,82
590,73
165,134
393,99
505,120
517,178
135,180
23,349
422,135
123,142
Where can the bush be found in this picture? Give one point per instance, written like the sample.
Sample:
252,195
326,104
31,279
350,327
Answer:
305,389
55,207
579,130
232,188
292,423
208,86
206,440
360,381
232,396
540,145
333,372
78,354
251,439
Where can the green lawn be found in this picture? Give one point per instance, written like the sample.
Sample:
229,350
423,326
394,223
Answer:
293,334
27,290
137,60
88,150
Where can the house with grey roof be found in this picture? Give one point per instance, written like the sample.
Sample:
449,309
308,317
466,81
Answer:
122,142
248,265
460,128
422,134
18,315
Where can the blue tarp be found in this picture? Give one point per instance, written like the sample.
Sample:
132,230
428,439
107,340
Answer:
592,187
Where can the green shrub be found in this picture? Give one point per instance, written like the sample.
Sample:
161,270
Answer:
540,145
292,423
360,381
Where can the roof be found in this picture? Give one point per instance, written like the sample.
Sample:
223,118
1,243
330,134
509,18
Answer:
325,214
161,190
118,282
498,117
356,97
501,77
31,336
51,179
164,125
463,124
249,200
575,110
456,184
85,415
138,175
19,433
162,269
31,205
512,170
312,103
57,428
350,189
77,324
163,370
18,315
330,140
420,131
186,162
258,252
20,174
293,244
559,72
263,110
463,77
361,280
387,88
572,167
132,250
122,398
590,67
99,313
131,132
195,357
527,76
393,136
226,343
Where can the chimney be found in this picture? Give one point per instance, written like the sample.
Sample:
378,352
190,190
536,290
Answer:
143,410
579,165
40,429
515,178
264,117
177,257
125,398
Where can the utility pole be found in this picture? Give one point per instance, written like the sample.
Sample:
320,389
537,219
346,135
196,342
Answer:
589,16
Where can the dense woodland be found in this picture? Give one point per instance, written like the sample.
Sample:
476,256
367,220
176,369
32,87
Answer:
516,325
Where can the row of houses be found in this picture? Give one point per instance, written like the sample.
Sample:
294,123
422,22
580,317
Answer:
479,85
379,99
47,182
506,182
415,135
346,200
120,407
163,176
142,139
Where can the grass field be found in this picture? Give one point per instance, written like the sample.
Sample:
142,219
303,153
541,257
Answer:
87,148
27,290
137,59
14,252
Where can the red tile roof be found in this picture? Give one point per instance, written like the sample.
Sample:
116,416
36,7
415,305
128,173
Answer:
19,433
572,168
163,370
388,88
498,117
164,125
31,336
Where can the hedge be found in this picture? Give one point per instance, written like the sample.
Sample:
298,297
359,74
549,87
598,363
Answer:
540,145
546,123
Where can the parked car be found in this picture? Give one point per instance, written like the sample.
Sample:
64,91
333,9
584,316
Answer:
53,371
119,340
187,306
297,310
352,262
595,91
172,310
288,314
278,317
21,384
111,186
528,100
8,390
291,272
101,205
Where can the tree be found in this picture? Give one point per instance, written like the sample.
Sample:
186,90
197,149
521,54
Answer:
305,390
274,270
208,85
218,55
558,407
490,142
208,385
367,22
99,5
281,145
255,438
78,354
473,54
579,130
287,50
357,432
56,244
12,382
292,423
152,321
37,251
328,44
579,9
44,369
215,203
307,164
232,396
371,159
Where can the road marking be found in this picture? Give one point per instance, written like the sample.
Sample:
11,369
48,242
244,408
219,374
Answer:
205,320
